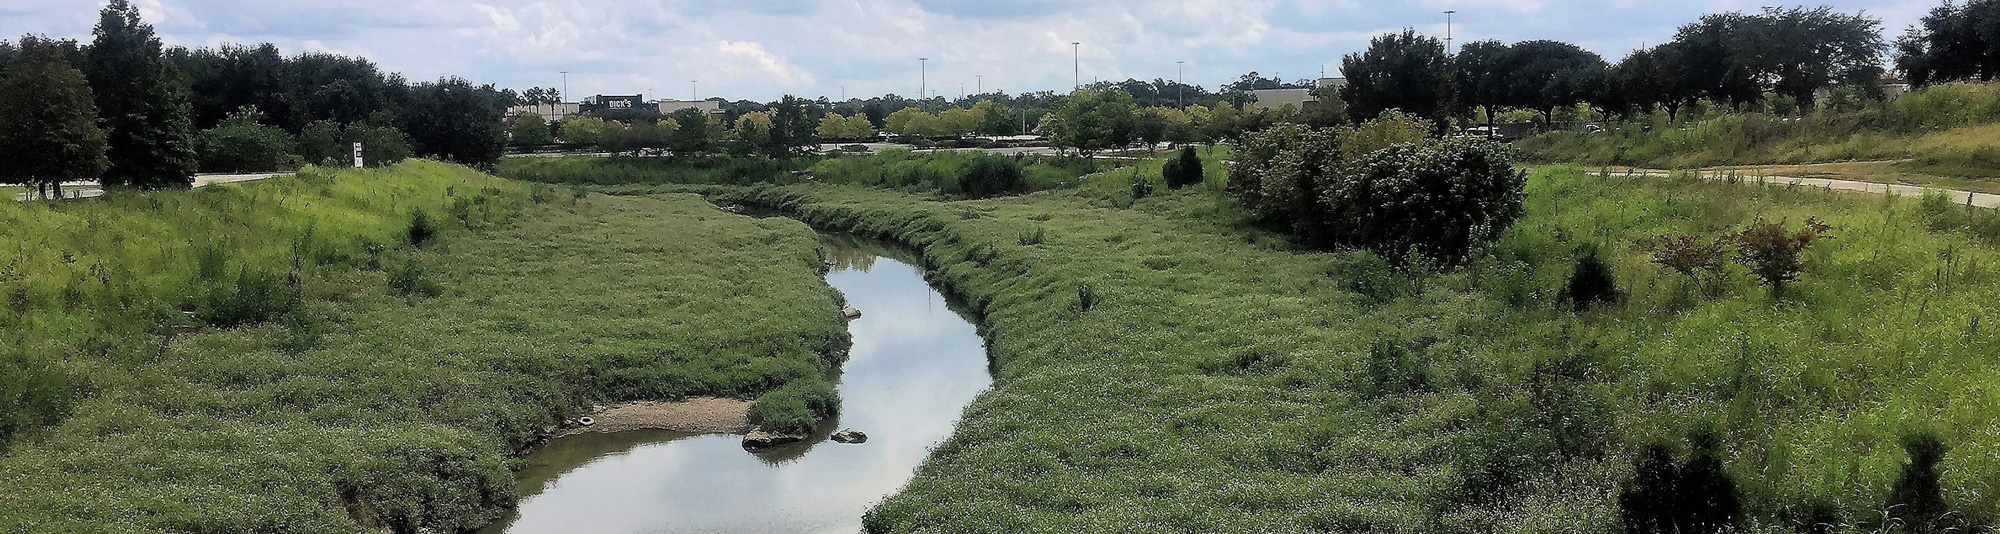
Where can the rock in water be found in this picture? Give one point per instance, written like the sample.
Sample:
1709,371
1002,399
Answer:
850,436
760,440
851,313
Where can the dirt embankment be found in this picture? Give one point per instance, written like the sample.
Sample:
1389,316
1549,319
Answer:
701,415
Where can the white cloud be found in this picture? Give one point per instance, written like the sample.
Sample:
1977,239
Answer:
764,49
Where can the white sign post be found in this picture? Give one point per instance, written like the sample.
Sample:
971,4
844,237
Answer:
357,155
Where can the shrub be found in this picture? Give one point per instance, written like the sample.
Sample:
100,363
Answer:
1086,298
254,296
1773,254
422,230
1439,199
1367,274
411,279
1393,368
1917,500
240,144
1691,256
796,408
1695,496
34,393
1184,170
1029,239
1142,187
1592,284
987,176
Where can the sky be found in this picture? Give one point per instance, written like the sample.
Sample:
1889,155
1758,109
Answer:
762,50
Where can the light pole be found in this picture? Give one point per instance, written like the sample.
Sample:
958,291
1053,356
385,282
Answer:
979,83
565,85
923,79
694,90
1078,65
1180,86
1447,33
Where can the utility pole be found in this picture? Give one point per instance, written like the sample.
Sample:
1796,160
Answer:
923,79
565,86
1078,65
694,90
1447,33
979,83
1180,85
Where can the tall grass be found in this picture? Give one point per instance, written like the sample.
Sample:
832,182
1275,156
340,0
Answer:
1947,129
1224,384
385,401
946,172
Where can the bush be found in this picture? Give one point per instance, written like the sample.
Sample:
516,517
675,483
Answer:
1184,170
1367,274
254,296
1696,496
796,408
1691,256
1917,500
34,393
1142,187
1439,199
411,279
422,230
1773,254
240,144
987,176
1393,368
1592,285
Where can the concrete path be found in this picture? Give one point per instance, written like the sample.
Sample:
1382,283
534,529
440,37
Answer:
75,190
1984,200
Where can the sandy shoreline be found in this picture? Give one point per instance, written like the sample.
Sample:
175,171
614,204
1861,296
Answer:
705,415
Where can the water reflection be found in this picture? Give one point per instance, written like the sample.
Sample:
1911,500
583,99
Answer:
914,366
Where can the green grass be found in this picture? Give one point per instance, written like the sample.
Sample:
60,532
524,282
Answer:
386,407
1223,382
899,169
1947,130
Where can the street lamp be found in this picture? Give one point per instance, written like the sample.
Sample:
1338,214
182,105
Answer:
1078,65
694,90
979,83
1180,86
565,85
1447,32
923,78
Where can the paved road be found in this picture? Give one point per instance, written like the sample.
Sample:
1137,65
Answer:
92,189
1984,200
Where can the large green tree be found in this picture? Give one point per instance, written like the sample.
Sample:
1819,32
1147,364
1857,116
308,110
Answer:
453,119
1546,75
1955,42
1480,71
48,120
144,107
1405,71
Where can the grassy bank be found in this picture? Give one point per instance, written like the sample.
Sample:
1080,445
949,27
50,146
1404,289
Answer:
943,171
395,392
1948,130
1164,367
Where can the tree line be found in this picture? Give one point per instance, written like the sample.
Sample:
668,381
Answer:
127,111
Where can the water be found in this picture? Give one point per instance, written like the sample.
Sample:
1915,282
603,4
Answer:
916,363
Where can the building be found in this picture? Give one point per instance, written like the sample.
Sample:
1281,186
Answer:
549,112
668,107
602,103
1301,99
1332,83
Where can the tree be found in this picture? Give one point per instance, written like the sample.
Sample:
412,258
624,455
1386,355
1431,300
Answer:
1545,75
995,119
145,112
453,119
693,132
48,120
1955,42
1092,120
588,131
899,122
1403,71
752,133
241,143
1481,70
793,128
530,129
1151,125
833,127
1797,52
1184,170
1917,499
